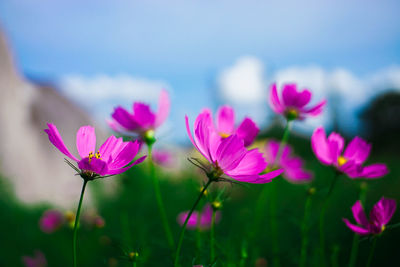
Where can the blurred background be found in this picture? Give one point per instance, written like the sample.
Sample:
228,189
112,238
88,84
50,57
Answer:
71,62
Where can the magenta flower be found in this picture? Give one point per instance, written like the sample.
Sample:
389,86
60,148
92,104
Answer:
113,157
379,216
293,103
228,156
199,220
292,166
142,118
329,152
51,220
39,260
225,126
163,158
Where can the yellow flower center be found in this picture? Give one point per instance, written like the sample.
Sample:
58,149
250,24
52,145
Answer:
97,156
292,113
383,228
341,161
224,135
216,204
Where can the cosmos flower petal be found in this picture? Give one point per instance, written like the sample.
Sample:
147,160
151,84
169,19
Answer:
125,119
143,115
339,141
192,222
56,140
302,99
320,146
376,170
258,179
275,103
225,120
125,155
358,149
316,110
359,214
251,164
230,152
357,229
383,211
121,170
163,108
95,165
289,94
271,151
86,141
247,131
107,148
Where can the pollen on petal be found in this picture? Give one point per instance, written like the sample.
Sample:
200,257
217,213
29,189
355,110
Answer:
341,161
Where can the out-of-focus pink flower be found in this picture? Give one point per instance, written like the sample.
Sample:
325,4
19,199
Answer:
51,220
228,156
163,157
39,260
379,216
329,152
225,126
199,220
113,157
142,118
293,103
292,166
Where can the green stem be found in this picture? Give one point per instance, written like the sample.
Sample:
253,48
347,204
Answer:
178,249
133,263
78,212
160,203
304,230
322,220
125,227
371,252
356,238
212,237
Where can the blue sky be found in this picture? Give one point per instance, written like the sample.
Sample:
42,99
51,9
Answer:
187,44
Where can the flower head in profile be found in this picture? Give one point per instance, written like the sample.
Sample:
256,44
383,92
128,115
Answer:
51,220
293,103
292,166
113,157
228,156
379,217
39,260
201,220
142,120
225,126
329,151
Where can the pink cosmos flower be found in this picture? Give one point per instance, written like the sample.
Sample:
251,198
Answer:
225,126
163,158
113,156
51,220
228,156
201,220
329,152
293,103
292,166
142,117
39,260
380,215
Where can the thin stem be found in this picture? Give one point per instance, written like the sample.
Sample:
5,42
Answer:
133,263
78,212
124,218
371,252
160,203
212,237
322,220
304,230
178,249
356,238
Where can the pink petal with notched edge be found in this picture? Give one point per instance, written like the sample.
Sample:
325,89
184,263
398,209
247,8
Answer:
86,141
258,179
109,148
56,140
302,99
230,152
359,214
251,164
275,103
121,170
357,229
358,149
338,139
143,116
125,119
383,211
376,170
247,131
271,150
115,126
163,108
289,94
225,120
125,155
95,165
316,110
320,146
